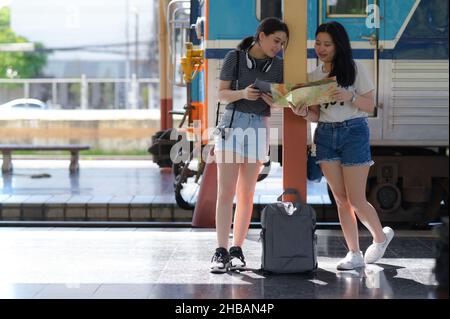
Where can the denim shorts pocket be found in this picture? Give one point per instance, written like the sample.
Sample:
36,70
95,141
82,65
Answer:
321,135
225,119
358,129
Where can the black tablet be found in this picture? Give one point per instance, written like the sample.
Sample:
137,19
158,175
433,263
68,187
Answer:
263,86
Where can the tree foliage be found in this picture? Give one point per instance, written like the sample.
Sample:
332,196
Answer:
18,64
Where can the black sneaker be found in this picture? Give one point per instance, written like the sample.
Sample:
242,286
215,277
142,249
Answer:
237,258
220,262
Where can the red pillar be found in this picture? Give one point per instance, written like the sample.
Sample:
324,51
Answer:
295,70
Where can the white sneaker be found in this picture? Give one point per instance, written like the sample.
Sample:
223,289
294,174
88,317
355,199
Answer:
351,261
376,250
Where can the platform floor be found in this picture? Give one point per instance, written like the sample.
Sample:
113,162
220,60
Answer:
174,264
121,178
112,190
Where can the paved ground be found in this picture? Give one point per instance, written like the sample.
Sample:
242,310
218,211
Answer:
173,264
121,178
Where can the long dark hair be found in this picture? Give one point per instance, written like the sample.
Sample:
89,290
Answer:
343,65
268,26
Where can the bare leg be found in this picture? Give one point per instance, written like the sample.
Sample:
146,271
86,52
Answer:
248,175
355,179
227,175
334,175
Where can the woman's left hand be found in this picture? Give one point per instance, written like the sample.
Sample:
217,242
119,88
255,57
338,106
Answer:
268,99
342,95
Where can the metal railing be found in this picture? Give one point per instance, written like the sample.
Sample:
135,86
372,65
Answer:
85,93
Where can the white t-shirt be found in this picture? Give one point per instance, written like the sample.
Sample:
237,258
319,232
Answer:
339,112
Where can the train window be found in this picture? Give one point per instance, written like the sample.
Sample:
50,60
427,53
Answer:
346,8
268,8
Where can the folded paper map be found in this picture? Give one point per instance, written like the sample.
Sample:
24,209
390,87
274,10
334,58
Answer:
308,94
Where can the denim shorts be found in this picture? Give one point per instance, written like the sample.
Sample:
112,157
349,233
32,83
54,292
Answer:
347,142
248,136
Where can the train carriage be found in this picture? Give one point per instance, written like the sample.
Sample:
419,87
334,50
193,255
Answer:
404,46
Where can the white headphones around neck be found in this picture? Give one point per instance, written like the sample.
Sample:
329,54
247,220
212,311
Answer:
251,63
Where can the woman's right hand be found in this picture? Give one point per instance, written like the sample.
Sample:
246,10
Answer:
299,109
250,93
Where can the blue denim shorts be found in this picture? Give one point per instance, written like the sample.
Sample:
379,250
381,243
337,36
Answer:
347,142
248,136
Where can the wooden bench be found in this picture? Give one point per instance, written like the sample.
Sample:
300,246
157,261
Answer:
74,150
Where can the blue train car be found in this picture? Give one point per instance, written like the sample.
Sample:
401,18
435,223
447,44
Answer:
404,45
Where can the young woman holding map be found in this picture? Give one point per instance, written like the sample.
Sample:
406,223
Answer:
342,140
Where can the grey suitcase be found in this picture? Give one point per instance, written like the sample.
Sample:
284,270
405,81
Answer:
288,236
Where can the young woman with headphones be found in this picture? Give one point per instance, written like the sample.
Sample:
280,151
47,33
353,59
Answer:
242,136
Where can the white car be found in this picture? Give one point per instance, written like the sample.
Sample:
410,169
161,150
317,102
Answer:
24,104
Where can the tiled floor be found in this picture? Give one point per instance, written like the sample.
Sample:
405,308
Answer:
174,263
119,191
122,178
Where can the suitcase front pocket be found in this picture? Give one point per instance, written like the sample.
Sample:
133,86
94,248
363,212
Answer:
290,240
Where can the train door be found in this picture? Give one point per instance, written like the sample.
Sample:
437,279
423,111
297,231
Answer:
361,19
